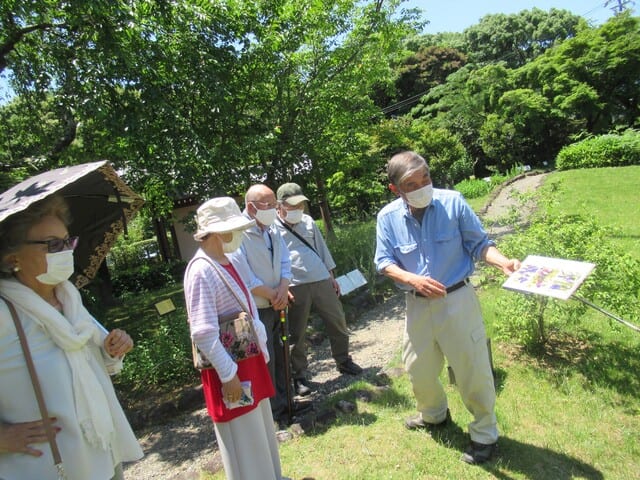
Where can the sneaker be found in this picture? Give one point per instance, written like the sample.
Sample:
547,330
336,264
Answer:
478,453
349,367
417,423
301,387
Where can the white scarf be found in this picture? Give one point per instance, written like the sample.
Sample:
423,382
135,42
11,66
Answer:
73,332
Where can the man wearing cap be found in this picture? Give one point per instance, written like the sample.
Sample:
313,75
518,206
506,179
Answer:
312,284
268,258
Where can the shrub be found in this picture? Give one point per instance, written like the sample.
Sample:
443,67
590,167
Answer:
161,358
130,255
353,247
473,188
147,277
614,284
604,151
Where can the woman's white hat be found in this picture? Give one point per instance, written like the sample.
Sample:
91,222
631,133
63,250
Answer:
220,215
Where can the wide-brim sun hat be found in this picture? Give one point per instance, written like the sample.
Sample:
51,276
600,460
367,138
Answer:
291,193
220,215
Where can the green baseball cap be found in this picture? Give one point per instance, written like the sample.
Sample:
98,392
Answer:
290,193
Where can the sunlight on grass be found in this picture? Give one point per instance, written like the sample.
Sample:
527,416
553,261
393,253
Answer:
611,195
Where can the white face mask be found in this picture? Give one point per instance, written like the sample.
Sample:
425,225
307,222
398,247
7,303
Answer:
59,268
234,244
266,217
421,197
293,216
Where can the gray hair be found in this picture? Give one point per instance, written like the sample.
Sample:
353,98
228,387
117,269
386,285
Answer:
13,231
403,164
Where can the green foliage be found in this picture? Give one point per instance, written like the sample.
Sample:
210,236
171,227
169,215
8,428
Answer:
354,247
519,130
518,38
614,284
161,358
609,150
590,80
146,277
462,105
354,199
132,254
423,70
473,187
504,116
262,91
447,158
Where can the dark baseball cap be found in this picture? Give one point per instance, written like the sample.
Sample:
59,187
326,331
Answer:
290,193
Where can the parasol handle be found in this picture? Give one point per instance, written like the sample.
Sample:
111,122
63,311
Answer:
608,314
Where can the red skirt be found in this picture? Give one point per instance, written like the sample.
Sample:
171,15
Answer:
253,369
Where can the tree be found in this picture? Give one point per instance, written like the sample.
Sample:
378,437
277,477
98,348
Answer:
189,97
462,104
427,68
591,80
519,131
447,157
518,38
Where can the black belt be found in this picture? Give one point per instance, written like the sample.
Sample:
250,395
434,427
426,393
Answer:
452,288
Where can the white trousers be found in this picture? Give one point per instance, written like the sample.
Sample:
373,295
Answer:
248,445
450,327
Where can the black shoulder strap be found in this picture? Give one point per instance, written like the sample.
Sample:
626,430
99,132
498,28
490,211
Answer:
298,236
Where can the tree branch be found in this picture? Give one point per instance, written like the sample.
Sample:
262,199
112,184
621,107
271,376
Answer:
16,36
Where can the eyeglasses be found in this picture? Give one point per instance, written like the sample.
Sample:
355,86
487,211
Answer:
56,245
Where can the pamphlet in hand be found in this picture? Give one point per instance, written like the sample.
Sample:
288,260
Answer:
351,281
552,277
246,398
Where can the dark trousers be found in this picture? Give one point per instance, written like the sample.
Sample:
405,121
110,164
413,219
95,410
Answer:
271,320
325,301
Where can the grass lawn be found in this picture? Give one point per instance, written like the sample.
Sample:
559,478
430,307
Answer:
611,195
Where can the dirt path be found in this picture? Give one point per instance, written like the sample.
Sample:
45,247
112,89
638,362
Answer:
513,203
183,447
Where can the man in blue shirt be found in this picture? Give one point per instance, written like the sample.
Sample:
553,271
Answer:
427,241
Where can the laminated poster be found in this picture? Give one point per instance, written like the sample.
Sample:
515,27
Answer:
552,277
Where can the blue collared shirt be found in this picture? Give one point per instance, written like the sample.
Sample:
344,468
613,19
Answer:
444,246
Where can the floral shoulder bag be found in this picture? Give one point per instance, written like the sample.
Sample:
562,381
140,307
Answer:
237,333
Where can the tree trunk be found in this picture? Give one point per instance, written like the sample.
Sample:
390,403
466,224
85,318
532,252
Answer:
103,287
324,207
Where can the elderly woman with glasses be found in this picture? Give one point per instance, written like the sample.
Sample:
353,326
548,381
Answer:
72,355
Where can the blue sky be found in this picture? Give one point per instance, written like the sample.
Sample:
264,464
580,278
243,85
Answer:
456,15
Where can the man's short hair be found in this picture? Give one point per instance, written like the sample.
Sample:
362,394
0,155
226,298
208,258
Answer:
403,164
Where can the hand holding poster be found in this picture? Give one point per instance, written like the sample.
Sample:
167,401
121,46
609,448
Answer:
555,277
552,277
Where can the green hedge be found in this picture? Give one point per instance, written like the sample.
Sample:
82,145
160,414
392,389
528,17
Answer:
147,277
604,151
130,255
475,187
